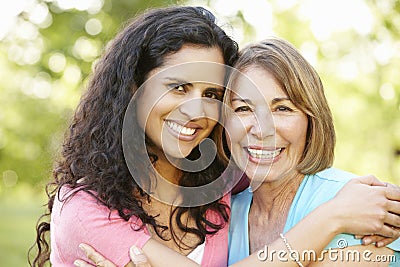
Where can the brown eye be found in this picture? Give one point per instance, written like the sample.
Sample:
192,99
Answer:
213,93
243,109
210,95
283,108
179,88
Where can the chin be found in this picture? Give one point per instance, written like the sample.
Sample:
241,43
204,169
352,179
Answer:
176,155
258,173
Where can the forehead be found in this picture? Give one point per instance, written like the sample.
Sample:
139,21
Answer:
194,64
256,84
192,52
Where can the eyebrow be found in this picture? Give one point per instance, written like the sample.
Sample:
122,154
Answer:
280,99
178,80
274,101
218,88
247,101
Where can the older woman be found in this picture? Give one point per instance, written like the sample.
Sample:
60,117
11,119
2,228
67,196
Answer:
280,131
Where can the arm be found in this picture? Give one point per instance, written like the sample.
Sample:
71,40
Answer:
156,254
138,258
367,213
313,228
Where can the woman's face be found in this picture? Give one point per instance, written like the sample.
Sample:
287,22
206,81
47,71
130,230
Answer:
266,132
180,103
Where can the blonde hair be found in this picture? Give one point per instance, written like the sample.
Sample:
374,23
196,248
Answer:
304,88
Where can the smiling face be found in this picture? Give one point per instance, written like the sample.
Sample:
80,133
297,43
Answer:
266,132
180,102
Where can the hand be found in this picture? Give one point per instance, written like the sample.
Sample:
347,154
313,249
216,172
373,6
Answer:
367,206
138,258
380,241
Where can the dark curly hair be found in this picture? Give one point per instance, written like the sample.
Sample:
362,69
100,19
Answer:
92,148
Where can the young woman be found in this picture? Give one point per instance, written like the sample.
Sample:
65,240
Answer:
96,198
93,192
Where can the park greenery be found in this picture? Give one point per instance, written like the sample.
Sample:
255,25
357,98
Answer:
48,53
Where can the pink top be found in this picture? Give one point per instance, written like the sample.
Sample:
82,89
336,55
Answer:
82,220
216,250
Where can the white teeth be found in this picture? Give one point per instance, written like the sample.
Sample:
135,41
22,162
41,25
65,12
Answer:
264,154
180,129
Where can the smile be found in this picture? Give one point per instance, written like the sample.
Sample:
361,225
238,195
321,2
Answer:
263,153
180,129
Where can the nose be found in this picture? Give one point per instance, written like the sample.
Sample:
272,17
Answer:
193,108
262,125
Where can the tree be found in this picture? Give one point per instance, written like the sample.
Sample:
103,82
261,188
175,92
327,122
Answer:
45,59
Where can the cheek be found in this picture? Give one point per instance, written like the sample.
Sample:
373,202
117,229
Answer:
301,130
294,130
212,110
235,130
145,107
303,135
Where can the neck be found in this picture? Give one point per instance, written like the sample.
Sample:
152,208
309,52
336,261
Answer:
160,180
165,168
270,208
277,194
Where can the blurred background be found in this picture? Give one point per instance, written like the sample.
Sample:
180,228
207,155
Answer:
47,48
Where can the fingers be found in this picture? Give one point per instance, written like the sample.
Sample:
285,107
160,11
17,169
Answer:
392,220
392,192
369,180
393,206
369,239
138,257
384,242
388,231
379,241
95,257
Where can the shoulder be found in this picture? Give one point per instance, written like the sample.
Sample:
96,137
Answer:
330,180
78,205
319,188
84,208
326,183
78,217
333,175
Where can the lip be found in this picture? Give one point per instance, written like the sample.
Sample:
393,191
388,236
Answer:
183,137
269,160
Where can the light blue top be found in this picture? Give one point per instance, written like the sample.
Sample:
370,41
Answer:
313,191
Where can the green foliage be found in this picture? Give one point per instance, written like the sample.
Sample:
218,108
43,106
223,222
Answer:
44,65
43,68
19,210
359,64
39,93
